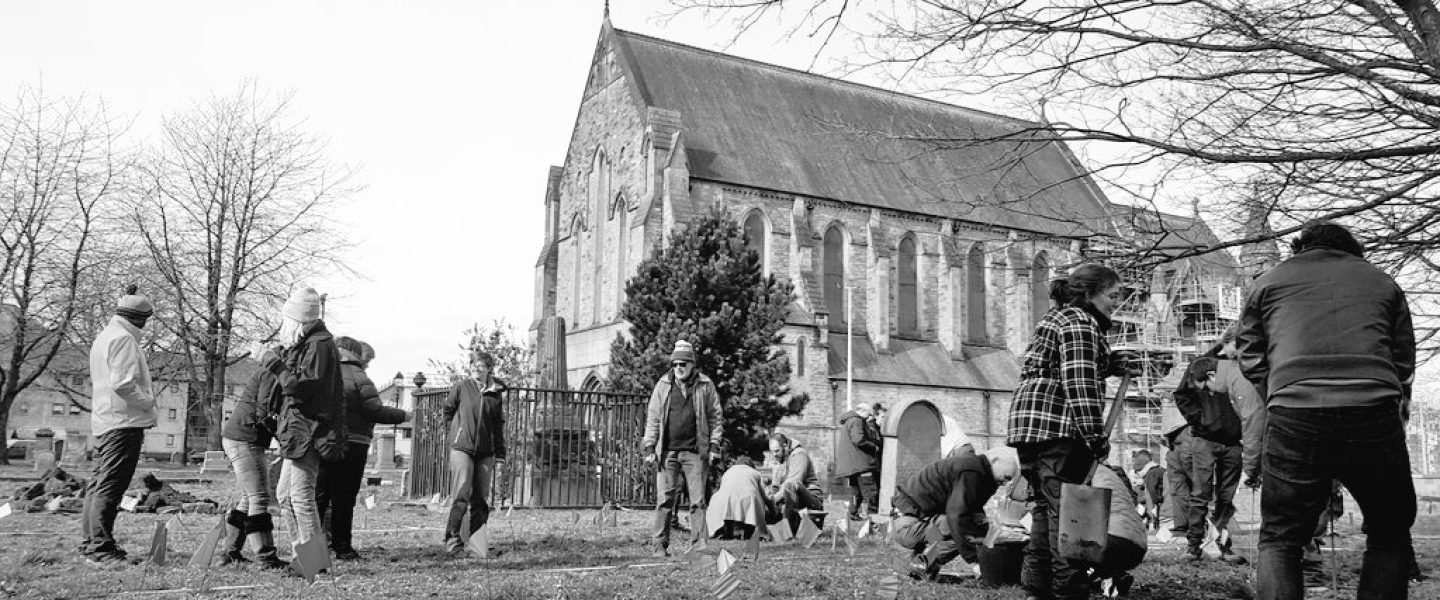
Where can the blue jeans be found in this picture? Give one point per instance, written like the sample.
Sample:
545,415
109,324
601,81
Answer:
693,468
297,496
1362,447
469,492
117,454
252,473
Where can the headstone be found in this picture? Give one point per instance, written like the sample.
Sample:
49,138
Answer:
912,433
385,450
215,462
44,461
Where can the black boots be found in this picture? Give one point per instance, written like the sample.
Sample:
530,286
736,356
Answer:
234,540
259,529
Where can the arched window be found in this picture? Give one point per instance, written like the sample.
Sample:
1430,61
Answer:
1039,287
833,287
975,301
622,242
592,383
576,266
800,357
908,301
755,235
600,195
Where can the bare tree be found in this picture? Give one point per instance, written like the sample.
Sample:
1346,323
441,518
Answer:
1323,109
236,210
60,168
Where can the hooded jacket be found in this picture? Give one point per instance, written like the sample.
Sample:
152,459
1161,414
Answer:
122,395
363,408
1325,314
313,389
476,418
709,418
858,451
1209,413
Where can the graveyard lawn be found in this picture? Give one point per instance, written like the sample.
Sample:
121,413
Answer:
544,554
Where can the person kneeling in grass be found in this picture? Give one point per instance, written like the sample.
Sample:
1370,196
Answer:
1127,544
942,508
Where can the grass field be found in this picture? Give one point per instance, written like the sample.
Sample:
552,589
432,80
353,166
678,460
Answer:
541,554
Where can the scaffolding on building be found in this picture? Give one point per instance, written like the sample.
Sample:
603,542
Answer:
1169,314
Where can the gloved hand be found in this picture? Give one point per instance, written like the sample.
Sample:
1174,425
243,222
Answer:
1101,449
1123,362
1252,482
714,457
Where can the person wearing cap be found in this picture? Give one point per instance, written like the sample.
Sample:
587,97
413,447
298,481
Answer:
312,409
1214,455
339,482
475,416
683,428
122,408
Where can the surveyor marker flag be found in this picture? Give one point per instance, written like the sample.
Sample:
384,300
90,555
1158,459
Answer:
370,502
724,561
781,531
311,557
725,585
157,544
206,552
889,588
128,503
808,533
5,510
479,543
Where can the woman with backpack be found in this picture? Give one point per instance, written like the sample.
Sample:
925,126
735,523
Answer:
311,423
245,436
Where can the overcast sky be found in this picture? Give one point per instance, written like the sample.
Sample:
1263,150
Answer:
451,111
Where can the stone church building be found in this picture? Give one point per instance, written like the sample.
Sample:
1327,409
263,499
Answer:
946,249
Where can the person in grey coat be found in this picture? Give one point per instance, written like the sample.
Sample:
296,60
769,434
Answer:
857,460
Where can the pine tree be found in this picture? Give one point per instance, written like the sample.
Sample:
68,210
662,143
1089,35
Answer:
707,288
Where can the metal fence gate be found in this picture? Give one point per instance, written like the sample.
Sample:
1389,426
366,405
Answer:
565,449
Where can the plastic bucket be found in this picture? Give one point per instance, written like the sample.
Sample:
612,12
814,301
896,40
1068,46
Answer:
1000,566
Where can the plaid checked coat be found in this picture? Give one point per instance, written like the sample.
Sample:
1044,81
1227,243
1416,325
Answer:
1061,393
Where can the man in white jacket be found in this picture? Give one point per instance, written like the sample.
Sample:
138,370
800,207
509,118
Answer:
122,407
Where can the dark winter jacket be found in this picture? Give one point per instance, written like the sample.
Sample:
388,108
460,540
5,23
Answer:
1209,413
313,388
362,404
857,451
1325,314
477,422
957,488
253,419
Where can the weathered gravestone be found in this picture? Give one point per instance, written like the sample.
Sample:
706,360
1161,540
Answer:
912,432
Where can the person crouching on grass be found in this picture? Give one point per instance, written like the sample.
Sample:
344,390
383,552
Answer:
942,508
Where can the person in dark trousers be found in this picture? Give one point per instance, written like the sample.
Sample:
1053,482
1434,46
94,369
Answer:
340,481
1327,340
683,428
794,486
1215,455
1148,480
122,408
1126,542
857,460
1178,463
1056,420
246,434
475,414
942,509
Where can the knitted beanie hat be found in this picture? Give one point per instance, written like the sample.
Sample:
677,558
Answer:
303,305
683,351
133,305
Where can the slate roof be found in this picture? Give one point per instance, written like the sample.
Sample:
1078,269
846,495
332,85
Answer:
927,364
765,126
1170,234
